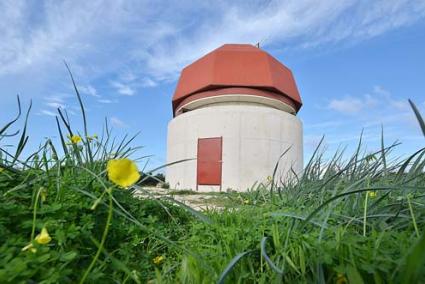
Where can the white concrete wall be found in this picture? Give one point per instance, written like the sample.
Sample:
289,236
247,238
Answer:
254,136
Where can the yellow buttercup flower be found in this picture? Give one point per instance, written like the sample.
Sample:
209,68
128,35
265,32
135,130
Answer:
43,238
269,178
158,260
372,194
123,172
75,139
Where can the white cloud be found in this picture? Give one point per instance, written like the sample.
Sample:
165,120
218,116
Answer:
107,101
118,123
386,97
27,39
347,105
47,112
148,82
89,90
295,23
128,76
64,101
58,98
56,101
378,99
367,113
55,105
154,40
123,89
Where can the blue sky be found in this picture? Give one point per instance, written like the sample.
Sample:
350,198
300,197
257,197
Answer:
355,63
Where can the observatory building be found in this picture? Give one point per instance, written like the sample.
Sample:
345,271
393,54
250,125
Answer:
234,115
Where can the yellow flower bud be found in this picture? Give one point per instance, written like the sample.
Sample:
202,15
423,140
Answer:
75,139
43,238
158,260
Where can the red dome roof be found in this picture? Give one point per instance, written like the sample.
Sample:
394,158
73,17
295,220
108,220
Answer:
240,66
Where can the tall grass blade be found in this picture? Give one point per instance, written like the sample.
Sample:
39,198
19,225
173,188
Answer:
148,174
65,149
267,258
298,217
406,163
275,171
24,138
414,263
383,154
65,122
309,217
192,211
4,128
83,112
313,156
354,276
231,265
418,116
354,159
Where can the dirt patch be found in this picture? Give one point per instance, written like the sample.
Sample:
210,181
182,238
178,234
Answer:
200,201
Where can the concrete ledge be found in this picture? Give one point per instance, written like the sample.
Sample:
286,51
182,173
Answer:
236,98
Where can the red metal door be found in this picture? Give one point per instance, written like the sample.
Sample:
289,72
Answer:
209,161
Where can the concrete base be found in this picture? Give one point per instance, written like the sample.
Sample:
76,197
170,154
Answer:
254,136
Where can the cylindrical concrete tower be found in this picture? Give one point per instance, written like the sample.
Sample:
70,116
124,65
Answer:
234,115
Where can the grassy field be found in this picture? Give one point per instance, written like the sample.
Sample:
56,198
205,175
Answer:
345,220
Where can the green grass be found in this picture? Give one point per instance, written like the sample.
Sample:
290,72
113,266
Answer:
324,228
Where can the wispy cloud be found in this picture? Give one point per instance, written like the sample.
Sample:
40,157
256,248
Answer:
58,98
107,101
118,123
123,89
159,40
347,105
378,98
386,98
55,105
295,23
89,90
367,113
47,112
62,101
148,82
